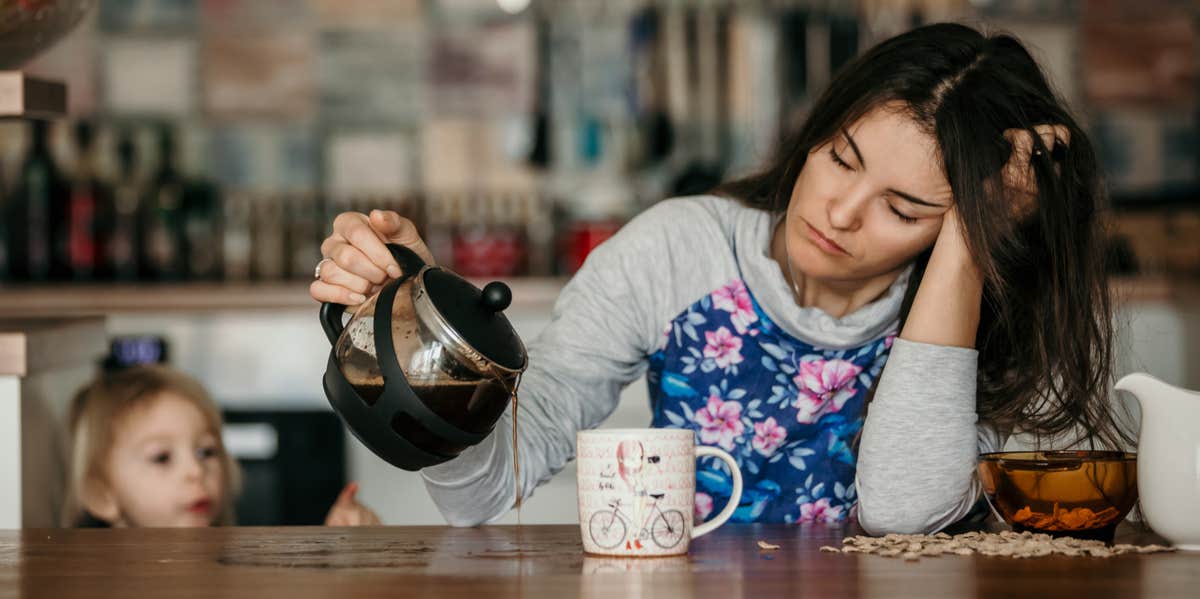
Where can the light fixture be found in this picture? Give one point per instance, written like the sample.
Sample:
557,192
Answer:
513,7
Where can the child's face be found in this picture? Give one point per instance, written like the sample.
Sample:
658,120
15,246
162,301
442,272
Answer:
164,469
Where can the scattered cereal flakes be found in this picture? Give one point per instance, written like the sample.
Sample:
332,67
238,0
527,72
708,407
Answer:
828,549
1005,544
767,546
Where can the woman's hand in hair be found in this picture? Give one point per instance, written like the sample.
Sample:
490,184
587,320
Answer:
347,511
356,260
1020,182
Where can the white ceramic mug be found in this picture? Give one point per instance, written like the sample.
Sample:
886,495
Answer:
637,490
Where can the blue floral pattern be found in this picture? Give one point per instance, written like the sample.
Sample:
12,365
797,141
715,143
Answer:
787,411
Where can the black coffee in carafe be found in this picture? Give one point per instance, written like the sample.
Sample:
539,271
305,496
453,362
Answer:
471,406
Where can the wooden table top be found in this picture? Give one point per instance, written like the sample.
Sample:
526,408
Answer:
539,561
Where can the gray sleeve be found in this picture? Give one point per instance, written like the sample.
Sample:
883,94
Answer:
601,331
921,441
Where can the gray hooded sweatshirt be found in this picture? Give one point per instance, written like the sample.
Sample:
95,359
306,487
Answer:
917,458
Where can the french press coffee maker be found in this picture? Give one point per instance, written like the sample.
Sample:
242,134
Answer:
426,367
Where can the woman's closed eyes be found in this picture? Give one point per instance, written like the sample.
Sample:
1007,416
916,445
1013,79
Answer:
845,165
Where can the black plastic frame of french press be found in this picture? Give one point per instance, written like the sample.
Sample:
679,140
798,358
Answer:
372,424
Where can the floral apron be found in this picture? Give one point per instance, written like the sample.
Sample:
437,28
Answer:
788,412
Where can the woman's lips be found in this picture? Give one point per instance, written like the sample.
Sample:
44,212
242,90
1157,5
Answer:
824,242
202,506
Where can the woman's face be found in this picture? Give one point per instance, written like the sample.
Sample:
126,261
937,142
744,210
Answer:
868,201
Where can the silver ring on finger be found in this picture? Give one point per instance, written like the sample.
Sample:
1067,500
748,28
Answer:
317,270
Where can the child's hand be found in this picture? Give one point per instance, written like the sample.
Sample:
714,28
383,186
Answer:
347,511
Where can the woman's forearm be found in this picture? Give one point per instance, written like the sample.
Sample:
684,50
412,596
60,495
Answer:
945,310
919,445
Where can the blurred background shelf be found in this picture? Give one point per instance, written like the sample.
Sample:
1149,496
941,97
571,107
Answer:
1184,292
530,295
38,301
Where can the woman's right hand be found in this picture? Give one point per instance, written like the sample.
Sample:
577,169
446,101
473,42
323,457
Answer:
357,262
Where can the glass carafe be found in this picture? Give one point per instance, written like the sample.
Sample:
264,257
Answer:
446,370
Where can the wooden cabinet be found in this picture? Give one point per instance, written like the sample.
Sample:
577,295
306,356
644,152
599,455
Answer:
42,363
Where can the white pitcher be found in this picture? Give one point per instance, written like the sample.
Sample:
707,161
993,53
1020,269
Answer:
1168,458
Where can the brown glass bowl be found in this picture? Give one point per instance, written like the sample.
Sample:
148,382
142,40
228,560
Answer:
1063,493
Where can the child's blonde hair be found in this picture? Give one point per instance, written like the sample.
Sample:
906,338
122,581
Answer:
97,409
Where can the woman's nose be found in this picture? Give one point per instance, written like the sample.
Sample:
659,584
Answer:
845,209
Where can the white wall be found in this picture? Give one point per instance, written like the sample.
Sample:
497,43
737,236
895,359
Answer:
10,451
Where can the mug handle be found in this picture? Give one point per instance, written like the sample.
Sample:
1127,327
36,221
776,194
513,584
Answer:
734,498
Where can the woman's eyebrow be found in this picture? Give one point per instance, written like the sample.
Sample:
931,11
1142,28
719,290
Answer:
915,199
908,196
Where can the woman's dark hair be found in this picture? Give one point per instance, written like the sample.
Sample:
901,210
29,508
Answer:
1045,336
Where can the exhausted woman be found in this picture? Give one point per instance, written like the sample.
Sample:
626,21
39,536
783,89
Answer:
915,277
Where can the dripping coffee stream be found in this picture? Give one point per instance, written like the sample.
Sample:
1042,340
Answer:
512,393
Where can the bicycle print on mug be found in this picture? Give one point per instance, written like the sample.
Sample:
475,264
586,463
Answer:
637,491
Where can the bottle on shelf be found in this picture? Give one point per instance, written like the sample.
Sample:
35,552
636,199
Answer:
236,242
598,210
88,211
470,229
510,236
303,235
267,238
441,214
163,234
202,230
122,238
36,249
492,242
539,233
5,275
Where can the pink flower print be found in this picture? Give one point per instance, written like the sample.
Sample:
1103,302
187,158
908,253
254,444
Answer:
723,347
704,504
768,436
720,422
825,386
889,340
734,298
820,511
